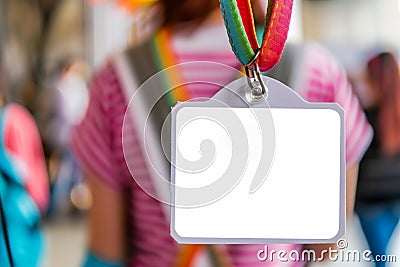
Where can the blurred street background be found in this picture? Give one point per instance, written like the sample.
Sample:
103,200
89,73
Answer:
49,50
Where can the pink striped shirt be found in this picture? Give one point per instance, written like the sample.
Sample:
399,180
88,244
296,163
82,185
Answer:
98,145
322,79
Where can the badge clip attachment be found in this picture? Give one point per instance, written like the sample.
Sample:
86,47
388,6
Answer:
258,90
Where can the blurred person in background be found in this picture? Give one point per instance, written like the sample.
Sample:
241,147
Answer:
68,186
378,191
24,191
126,226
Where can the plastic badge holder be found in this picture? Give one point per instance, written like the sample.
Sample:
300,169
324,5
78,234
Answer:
257,172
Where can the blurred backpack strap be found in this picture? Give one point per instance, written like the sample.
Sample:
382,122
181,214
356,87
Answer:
134,67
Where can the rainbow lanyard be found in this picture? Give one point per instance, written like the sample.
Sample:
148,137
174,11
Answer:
238,17
239,23
166,57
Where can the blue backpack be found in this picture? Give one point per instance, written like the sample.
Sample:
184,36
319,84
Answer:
21,242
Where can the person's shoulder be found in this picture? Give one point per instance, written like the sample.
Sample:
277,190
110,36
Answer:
105,78
322,56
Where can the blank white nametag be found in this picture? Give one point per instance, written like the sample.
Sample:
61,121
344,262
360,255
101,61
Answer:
258,174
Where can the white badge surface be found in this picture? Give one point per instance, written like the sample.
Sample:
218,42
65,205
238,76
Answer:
267,172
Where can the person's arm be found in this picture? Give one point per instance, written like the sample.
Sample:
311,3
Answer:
106,223
351,186
93,144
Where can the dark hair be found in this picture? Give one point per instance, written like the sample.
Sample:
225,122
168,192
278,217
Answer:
187,11
383,71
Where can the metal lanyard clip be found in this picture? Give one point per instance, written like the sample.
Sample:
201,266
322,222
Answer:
258,90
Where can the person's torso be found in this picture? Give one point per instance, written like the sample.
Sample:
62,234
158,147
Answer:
150,243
